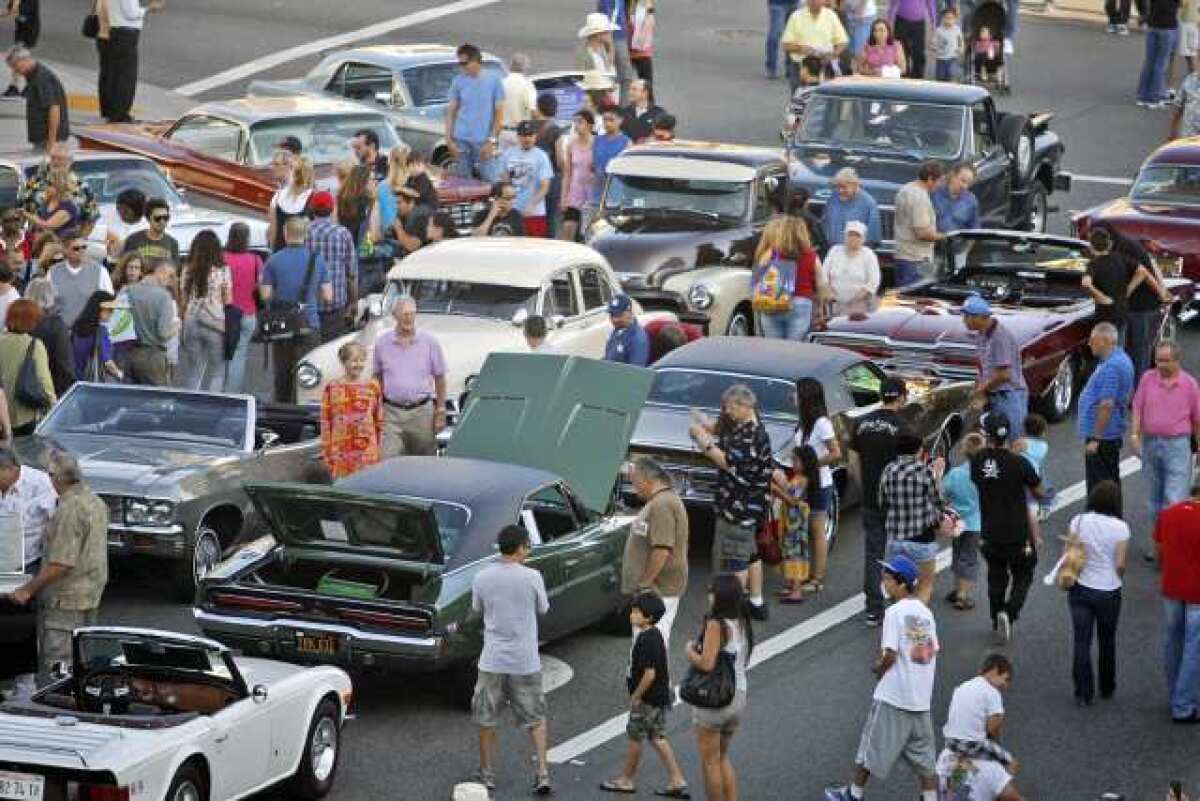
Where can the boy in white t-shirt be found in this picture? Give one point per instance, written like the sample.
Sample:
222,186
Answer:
976,714
899,723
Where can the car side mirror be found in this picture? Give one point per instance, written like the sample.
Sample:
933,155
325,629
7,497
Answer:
520,316
259,693
59,670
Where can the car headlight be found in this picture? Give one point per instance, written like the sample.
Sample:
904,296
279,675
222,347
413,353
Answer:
700,297
143,512
308,376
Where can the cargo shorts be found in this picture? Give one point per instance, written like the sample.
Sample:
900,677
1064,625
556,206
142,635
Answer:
646,722
734,545
891,734
523,693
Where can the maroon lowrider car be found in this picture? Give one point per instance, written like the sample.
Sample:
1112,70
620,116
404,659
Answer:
1162,209
1033,282
223,149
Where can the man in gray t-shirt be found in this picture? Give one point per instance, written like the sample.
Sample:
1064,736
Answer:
915,225
510,597
1001,384
153,313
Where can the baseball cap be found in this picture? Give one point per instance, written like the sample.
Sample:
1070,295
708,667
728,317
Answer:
995,424
527,128
856,227
619,305
321,202
976,306
651,604
892,388
902,568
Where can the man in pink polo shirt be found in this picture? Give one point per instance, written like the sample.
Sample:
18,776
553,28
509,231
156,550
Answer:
1166,417
412,371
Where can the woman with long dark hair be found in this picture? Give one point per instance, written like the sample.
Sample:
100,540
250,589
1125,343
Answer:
245,268
90,344
816,431
880,52
727,629
206,289
355,197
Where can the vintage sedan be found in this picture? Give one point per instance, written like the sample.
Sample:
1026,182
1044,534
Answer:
376,571
223,149
474,294
170,465
680,222
1033,282
695,375
159,715
1162,209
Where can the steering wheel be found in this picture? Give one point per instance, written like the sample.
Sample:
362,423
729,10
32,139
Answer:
106,692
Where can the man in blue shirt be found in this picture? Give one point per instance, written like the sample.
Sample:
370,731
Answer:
849,201
1103,407
605,148
616,12
283,282
475,116
628,342
954,203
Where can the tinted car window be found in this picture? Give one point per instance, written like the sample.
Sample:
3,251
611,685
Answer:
429,84
675,386
108,178
596,290
326,139
560,300
117,412
496,301
726,198
931,131
361,81
551,512
1168,183
213,137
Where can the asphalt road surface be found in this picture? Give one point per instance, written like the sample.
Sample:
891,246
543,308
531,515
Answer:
808,701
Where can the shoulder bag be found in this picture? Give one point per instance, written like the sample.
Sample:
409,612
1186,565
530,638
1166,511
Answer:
91,22
284,319
1074,557
29,389
714,689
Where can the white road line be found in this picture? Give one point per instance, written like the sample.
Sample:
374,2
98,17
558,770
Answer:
328,43
1101,179
555,673
798,634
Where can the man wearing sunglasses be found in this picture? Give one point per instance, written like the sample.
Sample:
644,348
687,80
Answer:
475,116
76,278
153,243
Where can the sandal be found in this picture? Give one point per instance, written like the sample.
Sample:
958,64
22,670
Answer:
681,791
792,598
812,586
611,786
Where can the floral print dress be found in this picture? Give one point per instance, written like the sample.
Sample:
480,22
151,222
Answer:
351,426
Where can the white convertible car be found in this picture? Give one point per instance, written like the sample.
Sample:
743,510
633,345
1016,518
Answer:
157,716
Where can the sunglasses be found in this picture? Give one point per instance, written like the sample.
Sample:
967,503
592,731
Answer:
78,247
463,63
161,217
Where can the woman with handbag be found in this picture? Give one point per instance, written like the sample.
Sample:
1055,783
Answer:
786,280
206,289
90,343
718,674
1095,597
24,368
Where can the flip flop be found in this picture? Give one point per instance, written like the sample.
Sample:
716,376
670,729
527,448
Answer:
611,786
794,598
674,792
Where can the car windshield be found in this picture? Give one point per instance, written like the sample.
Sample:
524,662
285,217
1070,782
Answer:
115,650
138,414
1172,184
702,389
497,301
108,178
429,84
325,139
726,198
920,130
1007,254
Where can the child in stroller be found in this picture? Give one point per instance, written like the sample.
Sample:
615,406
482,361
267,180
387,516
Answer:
987,64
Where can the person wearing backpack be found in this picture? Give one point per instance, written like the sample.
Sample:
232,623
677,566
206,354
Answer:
294,275
786,280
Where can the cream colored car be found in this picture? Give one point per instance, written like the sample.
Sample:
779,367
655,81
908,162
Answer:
473,295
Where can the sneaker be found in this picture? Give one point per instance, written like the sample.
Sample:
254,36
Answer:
1008,47
1112,28
759,611
1004,627
541,785
1122,30
872,620
840,793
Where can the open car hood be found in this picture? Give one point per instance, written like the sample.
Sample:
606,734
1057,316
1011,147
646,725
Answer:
319,518
569,415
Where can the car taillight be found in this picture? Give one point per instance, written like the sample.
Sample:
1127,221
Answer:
101,792
254,603
383,619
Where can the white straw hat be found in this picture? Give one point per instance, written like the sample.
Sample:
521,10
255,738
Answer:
596,23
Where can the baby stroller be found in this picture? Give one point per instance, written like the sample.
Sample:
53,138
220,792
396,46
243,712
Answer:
986,62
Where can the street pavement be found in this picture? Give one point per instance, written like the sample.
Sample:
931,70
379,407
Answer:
807,703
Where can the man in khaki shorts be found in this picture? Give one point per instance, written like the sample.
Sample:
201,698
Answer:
412,371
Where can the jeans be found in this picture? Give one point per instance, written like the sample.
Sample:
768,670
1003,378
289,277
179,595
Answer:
874,547
911,34
1011,17
201,356
1014,403
1010,572
919,552
1152,84
860,32
1094,611
1167,463
470,162
1181,656
908,272
1103,465
1140,334
122,72
946,69
235,368
788,325
777,17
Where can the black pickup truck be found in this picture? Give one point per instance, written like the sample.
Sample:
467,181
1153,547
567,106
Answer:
884,128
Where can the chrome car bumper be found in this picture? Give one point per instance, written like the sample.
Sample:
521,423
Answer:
164,541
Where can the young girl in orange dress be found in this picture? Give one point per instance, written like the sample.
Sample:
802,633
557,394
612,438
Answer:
351,416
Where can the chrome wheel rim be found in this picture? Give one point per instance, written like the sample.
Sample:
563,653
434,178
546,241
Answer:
206,554
1037,213
1024,155
1063,389
739,325
186,791
323,749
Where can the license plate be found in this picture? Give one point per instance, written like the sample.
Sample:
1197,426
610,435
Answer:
317,644
21,786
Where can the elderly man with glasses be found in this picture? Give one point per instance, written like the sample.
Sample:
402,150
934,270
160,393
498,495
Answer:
849,201
76,278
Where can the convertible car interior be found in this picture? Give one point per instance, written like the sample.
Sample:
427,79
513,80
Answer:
1016,272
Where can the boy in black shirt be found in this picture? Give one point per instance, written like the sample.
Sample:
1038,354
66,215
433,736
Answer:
1008,546
649,685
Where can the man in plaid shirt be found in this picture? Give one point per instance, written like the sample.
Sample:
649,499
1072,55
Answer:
912,506
336,246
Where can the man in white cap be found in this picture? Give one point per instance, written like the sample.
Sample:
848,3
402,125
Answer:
852,271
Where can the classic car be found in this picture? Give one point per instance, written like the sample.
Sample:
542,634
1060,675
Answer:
159,715
695,375
1161,210
885,128
1033,283
109,174
376,571
170,464
412,83
223,149
473,295
680,222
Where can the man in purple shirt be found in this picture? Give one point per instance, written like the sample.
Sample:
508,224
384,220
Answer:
907,18
1001,384
412,371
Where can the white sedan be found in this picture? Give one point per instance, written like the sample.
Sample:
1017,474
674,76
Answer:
158,716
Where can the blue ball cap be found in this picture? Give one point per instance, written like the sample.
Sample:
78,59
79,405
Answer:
903,568
976,306
619,305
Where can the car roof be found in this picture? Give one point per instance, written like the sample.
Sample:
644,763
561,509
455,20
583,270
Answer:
510,261
400,56
1177,151
745,155
777,358
903,89
250,110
